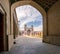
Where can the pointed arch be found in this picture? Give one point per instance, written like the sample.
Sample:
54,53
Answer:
34,4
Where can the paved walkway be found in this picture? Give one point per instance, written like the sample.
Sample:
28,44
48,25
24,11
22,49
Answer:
27,45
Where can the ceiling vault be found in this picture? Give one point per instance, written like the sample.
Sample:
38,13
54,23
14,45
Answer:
45,4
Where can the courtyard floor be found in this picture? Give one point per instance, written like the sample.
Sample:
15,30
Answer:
28,45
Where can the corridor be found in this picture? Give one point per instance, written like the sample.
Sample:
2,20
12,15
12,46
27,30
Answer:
23,23
28,45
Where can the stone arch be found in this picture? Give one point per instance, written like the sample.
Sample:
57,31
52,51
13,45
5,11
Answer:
32,3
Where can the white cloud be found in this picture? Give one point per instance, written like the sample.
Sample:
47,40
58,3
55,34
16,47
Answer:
26,21
27,11
29,14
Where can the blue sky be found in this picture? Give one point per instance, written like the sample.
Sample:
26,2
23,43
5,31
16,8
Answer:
29,15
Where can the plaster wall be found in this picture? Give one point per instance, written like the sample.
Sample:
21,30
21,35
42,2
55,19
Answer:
8,38
53,15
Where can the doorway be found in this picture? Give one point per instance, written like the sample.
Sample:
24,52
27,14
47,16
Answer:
1,32
30,21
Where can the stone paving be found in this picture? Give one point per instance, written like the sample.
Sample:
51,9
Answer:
27,45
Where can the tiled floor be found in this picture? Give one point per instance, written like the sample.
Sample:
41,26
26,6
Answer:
26,45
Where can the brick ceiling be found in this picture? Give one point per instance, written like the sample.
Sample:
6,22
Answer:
45,4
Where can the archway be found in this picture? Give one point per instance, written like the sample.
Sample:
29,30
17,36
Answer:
32,3
30,21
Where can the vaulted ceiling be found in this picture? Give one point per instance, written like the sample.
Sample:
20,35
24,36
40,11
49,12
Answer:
45,4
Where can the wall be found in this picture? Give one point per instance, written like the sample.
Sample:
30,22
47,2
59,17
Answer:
53,14
15,25
5,4
7,10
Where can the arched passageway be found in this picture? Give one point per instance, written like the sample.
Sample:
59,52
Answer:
51,25
30,21
38,7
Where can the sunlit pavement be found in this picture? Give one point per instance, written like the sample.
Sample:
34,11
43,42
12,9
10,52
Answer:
28,45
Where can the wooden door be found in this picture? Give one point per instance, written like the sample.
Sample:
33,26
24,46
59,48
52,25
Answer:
1,33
